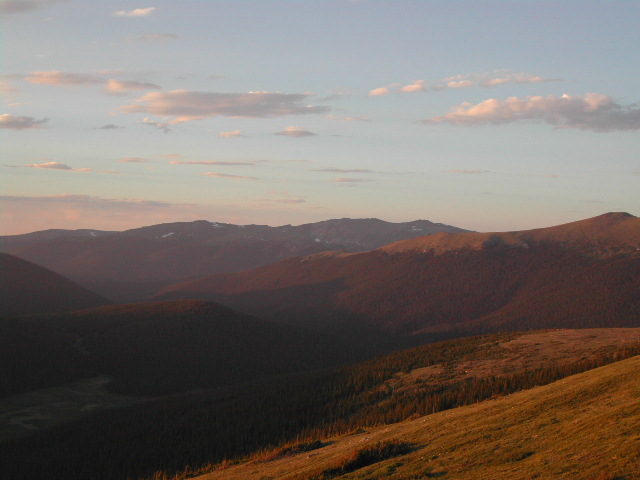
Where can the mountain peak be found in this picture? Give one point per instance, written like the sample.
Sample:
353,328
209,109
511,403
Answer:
610,232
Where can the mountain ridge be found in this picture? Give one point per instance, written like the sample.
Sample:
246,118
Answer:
475,285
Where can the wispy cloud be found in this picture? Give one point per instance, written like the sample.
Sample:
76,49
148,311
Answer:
361,118
56,77
184,105
56,166
6,87
231,134
465,171
109,126
340,170
20,123
165,127
350,180
296,132
138,12
153,37
593,111
31,213
133,160
119,87
212,162
465,80
228,176
86,199
23,6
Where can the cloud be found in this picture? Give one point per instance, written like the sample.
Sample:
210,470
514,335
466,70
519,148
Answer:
153,37
523,78
339,94
340,170
22,6
86,199
138,12
184,105
593,111
417,86
460,84
6,87
118,87
231,134
212,162
287,201
466,80
225,175
55,77
361,118
133,160
296,132
20,214
469,171
109,126
378,92
171,155
57,166
20,123
159,125
350,180
109,171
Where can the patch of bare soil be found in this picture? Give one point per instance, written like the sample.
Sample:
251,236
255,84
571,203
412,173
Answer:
24,414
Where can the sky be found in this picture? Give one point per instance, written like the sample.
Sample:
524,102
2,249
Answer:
486,115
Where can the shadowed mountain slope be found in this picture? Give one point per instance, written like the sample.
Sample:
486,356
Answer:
167,347
583,274
26,288
130,265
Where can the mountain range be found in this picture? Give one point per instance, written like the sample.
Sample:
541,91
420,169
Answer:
578,275
131,265
243,342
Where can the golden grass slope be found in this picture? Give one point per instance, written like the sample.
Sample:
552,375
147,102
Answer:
582,427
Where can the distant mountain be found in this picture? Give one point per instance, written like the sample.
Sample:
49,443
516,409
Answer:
157,348
26,288
582,274
132,264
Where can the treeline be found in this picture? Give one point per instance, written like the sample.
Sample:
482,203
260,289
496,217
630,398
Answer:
160,439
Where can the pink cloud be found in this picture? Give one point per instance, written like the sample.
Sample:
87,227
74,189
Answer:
55,77
378,92
593,111
228,176
231,134
138,12
57,166
184,105
119,87
19,123
296,132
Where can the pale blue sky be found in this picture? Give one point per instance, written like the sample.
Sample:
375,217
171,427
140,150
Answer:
488,115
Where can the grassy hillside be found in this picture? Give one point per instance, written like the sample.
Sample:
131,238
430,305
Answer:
206,427
583,427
